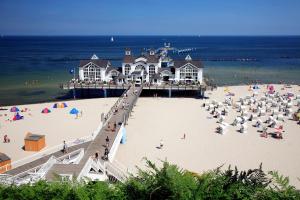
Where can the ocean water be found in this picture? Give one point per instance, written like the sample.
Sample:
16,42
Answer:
31,68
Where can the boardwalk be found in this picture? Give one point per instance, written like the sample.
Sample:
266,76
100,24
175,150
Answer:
44,159
98,144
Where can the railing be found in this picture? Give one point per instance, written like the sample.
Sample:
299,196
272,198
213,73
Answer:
47,152
122,167
95,85
127,114
110,112
85,169
116,172
30,175
73,157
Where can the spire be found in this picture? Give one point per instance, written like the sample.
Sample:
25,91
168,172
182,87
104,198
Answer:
94,57
188,58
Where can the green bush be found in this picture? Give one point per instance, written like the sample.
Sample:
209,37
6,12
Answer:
168,182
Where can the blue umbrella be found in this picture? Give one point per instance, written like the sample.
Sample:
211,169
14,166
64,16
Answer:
74,111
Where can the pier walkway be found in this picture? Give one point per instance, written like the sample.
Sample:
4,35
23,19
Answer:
117,117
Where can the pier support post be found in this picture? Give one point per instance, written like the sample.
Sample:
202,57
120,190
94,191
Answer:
170,93
74,93
105,93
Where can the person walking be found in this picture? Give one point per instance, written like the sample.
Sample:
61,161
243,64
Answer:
65,147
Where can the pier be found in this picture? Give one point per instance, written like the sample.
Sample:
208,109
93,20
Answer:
78,88
93,159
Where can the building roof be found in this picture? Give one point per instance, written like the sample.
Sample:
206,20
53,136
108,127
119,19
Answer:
98,62
152,58
139,73
128,59
121,76
110,68
163,69
180,63
4,157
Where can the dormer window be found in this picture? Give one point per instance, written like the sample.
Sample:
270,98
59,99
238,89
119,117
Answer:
127,52
152,53
94,57
188,58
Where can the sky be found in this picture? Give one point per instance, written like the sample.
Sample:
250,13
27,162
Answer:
150,17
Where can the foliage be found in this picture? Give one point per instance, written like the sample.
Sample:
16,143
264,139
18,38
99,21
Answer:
167,182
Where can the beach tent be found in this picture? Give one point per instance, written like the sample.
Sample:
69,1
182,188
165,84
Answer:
17,117
46,110
14,109
60,105
74,111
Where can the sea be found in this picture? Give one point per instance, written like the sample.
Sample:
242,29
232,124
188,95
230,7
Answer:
33,67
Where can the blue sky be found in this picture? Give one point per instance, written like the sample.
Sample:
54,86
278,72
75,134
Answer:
150,17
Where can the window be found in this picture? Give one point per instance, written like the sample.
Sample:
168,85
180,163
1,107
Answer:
92,72
127,70
189,72
113,73
151,70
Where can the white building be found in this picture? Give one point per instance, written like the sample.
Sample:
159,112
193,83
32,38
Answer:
152,68
146,68
97,70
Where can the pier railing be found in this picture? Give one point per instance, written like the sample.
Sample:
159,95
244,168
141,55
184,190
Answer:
163,86
116,105
46,152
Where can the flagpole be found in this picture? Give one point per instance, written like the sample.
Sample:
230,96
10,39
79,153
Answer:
74,92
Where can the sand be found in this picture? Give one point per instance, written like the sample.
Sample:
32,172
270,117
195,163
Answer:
166,119
203,149
57,126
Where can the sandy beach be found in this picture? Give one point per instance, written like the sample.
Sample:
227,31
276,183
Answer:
168,119
57,126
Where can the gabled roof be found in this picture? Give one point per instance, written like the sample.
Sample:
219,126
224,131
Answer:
111,68
139,73
121,76
164,69
152,58
180,63
98,62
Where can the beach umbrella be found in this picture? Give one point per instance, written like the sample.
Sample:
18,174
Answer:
65,105
17,117
14,109
46,110
55,105
74,111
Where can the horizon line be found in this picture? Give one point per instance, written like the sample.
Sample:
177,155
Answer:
153,35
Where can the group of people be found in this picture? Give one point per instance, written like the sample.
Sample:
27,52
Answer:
6,139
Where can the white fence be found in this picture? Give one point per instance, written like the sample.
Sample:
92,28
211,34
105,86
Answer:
51,150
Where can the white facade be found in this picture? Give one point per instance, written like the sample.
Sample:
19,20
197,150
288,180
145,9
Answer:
149,68
96,70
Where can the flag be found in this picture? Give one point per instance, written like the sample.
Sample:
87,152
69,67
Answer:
72,71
